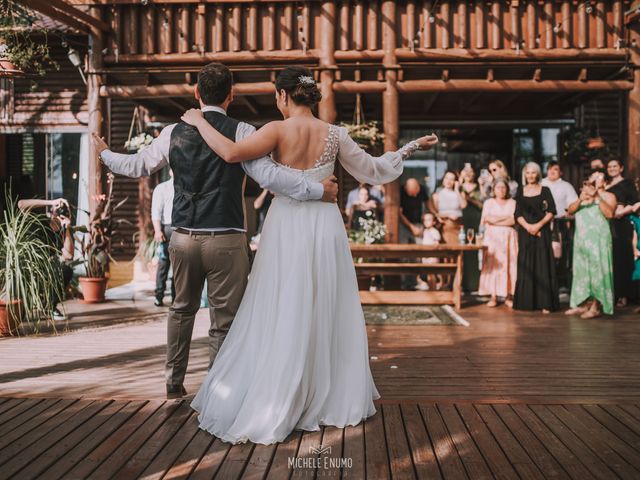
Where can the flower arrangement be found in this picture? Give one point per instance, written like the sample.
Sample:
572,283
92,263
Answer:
366,134
373,231
580,145
138,143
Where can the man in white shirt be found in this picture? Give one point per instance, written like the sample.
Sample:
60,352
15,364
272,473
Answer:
563,195
161,208
209,237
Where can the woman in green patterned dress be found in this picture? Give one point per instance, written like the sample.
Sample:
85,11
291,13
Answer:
592,286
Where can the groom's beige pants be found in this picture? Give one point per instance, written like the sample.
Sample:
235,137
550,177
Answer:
221,259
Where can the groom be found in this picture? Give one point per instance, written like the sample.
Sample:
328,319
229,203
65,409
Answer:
209,239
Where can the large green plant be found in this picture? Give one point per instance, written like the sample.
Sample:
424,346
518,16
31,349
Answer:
30,277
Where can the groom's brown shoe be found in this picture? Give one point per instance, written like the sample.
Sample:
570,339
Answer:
175,391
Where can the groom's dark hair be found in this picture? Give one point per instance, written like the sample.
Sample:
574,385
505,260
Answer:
214,83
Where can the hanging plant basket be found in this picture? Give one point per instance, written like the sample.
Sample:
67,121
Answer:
8,69
595,142
366,134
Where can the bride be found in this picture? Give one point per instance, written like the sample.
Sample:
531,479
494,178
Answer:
296,355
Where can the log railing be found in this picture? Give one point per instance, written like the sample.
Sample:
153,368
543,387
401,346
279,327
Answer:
172,29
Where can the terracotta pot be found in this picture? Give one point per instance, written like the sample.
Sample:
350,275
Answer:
8,69
93,289
10,315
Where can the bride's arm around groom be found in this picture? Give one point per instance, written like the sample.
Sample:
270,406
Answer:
263,170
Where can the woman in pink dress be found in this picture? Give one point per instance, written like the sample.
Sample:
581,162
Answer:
499,268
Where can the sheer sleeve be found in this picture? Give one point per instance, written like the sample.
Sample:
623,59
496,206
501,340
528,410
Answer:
368,169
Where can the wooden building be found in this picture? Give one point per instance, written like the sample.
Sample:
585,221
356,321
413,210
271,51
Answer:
497,79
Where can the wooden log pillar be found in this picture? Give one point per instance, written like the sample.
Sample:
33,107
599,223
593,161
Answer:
390,116
633,105
96,106
327,107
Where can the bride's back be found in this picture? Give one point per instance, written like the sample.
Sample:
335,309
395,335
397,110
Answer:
301,142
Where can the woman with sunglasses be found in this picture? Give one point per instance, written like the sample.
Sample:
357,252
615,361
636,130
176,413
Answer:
497,169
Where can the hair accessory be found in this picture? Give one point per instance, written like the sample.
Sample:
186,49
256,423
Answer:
306,80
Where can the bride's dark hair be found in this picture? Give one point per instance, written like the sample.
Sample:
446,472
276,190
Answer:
299,84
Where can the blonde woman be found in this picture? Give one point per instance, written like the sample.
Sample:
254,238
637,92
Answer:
497,169
448,203
537,284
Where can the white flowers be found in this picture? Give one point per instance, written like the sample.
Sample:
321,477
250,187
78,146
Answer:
372,231
139,142
365,133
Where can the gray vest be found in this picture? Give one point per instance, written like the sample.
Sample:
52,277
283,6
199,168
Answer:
208,191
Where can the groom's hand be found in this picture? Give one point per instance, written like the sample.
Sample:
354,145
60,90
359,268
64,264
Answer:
330,185
98,144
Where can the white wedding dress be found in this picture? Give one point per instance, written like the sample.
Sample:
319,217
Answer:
296,355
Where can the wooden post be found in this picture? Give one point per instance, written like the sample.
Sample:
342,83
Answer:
95,106
633,105
327,107
372,26
344,25
358,28
390,116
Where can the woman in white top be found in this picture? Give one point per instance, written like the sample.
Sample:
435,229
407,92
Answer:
448,203
296,356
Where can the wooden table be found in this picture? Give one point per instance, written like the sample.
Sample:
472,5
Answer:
408,262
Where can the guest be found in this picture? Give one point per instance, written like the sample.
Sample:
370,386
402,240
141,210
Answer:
430,236
635,219
592,285
56,228
448,203
413,200
563,195
497,169
364,208
161,210
499,266
596,164
470,220
622,230
536,284
261,204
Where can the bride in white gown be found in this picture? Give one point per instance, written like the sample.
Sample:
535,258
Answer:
296,355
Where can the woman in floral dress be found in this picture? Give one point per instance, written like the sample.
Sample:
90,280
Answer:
592,286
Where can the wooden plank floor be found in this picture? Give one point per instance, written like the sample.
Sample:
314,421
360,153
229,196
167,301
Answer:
101,439
511,396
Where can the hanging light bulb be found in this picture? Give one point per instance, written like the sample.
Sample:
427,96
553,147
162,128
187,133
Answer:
588,8
557,28
432,19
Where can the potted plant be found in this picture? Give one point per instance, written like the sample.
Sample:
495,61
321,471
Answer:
23,47
29,279
95,246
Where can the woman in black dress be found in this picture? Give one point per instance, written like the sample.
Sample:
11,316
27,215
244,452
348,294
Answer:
537,284
622,231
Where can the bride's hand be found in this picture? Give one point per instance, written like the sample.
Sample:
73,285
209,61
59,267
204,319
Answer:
428,141
192,116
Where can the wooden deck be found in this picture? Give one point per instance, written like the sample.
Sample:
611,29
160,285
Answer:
511,396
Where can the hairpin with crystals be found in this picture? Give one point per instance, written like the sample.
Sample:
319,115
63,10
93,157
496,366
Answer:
306,80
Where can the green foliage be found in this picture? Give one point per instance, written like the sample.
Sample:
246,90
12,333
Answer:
576,146
29,268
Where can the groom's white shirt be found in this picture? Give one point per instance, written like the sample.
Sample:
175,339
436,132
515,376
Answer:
264,171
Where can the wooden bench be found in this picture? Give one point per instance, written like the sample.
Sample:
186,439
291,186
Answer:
451,261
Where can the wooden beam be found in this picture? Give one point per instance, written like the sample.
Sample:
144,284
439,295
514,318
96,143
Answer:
250,103
633,106
458,85
54,14
78,15
371,86
390,115
95,105
401,54
327,107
